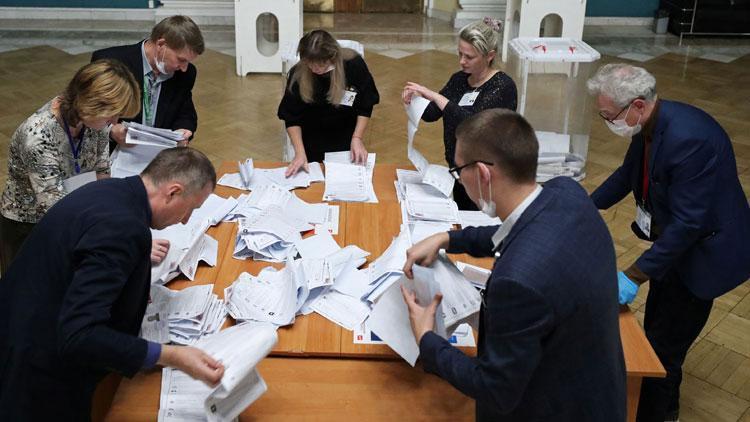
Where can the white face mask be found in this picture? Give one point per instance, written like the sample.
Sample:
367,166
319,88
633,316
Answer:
160,65
620,127
487,207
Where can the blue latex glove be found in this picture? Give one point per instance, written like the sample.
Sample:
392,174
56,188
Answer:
627,288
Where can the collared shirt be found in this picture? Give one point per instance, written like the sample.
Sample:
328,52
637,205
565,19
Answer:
509,222
151,88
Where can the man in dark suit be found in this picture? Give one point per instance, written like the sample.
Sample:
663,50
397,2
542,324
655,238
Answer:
163,65
549,340
72,302
681,170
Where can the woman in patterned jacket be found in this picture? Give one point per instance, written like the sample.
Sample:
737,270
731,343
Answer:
65,141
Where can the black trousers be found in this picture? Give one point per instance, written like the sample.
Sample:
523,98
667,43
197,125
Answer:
674,318
12,235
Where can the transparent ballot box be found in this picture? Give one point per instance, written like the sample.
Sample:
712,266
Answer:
551,75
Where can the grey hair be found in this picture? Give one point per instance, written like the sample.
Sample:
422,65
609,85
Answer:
186,165
623,83
481,36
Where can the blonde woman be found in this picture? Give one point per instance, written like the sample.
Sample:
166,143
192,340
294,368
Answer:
477,86
328,101
67,137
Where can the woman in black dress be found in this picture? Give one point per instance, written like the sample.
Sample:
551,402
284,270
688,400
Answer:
328,101
477,86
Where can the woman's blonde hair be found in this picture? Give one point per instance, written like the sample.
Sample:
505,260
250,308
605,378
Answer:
104,88
482,36
319,46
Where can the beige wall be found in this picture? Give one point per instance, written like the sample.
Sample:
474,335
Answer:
445,5
318,5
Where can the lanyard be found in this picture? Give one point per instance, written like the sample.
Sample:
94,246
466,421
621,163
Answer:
76,149
646,151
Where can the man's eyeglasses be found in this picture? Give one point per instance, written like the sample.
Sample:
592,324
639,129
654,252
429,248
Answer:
456,171
612,120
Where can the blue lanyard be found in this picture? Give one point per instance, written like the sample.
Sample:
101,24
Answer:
75,149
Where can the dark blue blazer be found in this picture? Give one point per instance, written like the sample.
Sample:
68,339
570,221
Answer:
72,302
699,212
175,109
549,337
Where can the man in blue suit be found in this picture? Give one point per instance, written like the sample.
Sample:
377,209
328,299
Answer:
72,302
549,340
681,170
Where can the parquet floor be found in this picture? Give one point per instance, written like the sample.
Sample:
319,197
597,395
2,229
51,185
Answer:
237,119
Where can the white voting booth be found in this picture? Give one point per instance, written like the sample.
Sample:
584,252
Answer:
261,27
561,18
551,75
289,58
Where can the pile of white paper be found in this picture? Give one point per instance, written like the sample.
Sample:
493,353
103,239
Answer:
389,318
251,178
551,165
269,236
346,181
144,143
182,317
239,348
422,202
388,268
188,243
431,174
476,219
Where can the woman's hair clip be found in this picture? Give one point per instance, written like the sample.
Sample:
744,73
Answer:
495,24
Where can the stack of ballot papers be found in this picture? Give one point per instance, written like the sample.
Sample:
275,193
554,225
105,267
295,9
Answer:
188,243
269,236
552,165
434,175
251,178
273,296
239,348
388,268
422,202
477,276
184,316
389,318
346,181
143,143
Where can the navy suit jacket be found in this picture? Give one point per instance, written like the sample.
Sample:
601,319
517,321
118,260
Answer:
549,337
699,212
72,302
175,109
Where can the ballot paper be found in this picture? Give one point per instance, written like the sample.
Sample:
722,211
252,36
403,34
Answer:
344,310
477,276
189,314
388,268
270,236
422,202
432,174
317,246
250,178
331,221
188,243
476,219
139,134
240,348
463,336
346,181
72,183
273,296
389,318
131,161
421,230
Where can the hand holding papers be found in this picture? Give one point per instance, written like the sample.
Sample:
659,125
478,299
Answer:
240,349
432,174
139,134
146,143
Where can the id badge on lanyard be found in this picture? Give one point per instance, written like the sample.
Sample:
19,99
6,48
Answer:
643,217
348,98
468,99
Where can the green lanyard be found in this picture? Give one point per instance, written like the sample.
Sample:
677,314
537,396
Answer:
148,106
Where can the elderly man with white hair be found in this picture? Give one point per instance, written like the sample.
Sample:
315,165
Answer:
681,169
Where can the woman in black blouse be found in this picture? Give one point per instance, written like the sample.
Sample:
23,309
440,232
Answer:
328,101
476,87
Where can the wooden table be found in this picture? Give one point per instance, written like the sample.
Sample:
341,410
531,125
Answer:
316,371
